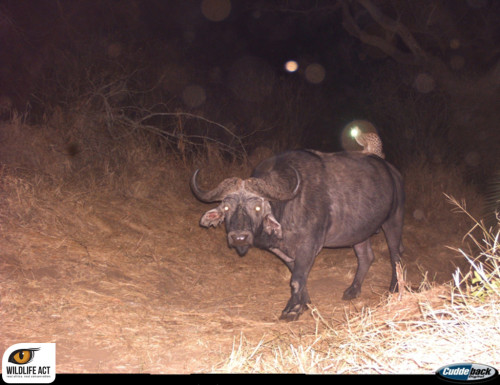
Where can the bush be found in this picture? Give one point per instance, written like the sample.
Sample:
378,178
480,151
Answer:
483,280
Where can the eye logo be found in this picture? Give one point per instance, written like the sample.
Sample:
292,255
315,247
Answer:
22,356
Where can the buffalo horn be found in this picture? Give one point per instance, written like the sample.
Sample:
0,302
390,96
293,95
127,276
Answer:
273,191
216,194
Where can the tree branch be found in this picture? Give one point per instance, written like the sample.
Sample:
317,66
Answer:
396,27
376,41
417,56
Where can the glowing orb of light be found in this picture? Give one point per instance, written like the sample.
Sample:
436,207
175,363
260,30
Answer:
114,50
194,96
291,66
216,10
455,43
315,73
355,131
424,83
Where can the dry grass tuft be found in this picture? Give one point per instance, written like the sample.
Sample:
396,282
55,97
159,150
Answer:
417,335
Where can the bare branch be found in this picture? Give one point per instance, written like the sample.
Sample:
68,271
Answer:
396,27
417,57
376,41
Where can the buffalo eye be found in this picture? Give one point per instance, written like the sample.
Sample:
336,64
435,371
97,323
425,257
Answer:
226,208
258,208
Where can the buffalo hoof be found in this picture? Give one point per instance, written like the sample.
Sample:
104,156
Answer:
351,293
292,314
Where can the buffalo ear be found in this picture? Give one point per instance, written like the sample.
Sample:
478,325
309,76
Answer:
212,218
272,226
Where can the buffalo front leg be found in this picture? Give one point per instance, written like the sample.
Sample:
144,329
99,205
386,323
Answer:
365,256
299,299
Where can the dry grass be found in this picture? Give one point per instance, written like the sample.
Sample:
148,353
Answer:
425,183
96,251
418,337
409,332
100,252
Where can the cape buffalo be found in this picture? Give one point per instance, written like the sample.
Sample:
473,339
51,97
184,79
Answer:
296,203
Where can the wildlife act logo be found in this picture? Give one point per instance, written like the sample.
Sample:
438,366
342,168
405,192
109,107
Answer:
467,372
29,363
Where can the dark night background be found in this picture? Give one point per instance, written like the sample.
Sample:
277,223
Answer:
425,73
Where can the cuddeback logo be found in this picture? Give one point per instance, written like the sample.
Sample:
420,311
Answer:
467,372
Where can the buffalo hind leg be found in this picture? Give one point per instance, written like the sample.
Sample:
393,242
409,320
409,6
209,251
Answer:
393,233
365,256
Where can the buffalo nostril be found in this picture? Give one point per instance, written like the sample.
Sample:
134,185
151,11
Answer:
239,238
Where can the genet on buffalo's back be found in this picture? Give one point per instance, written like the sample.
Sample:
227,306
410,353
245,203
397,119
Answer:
296,203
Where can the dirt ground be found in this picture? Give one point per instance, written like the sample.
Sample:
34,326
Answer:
125,281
